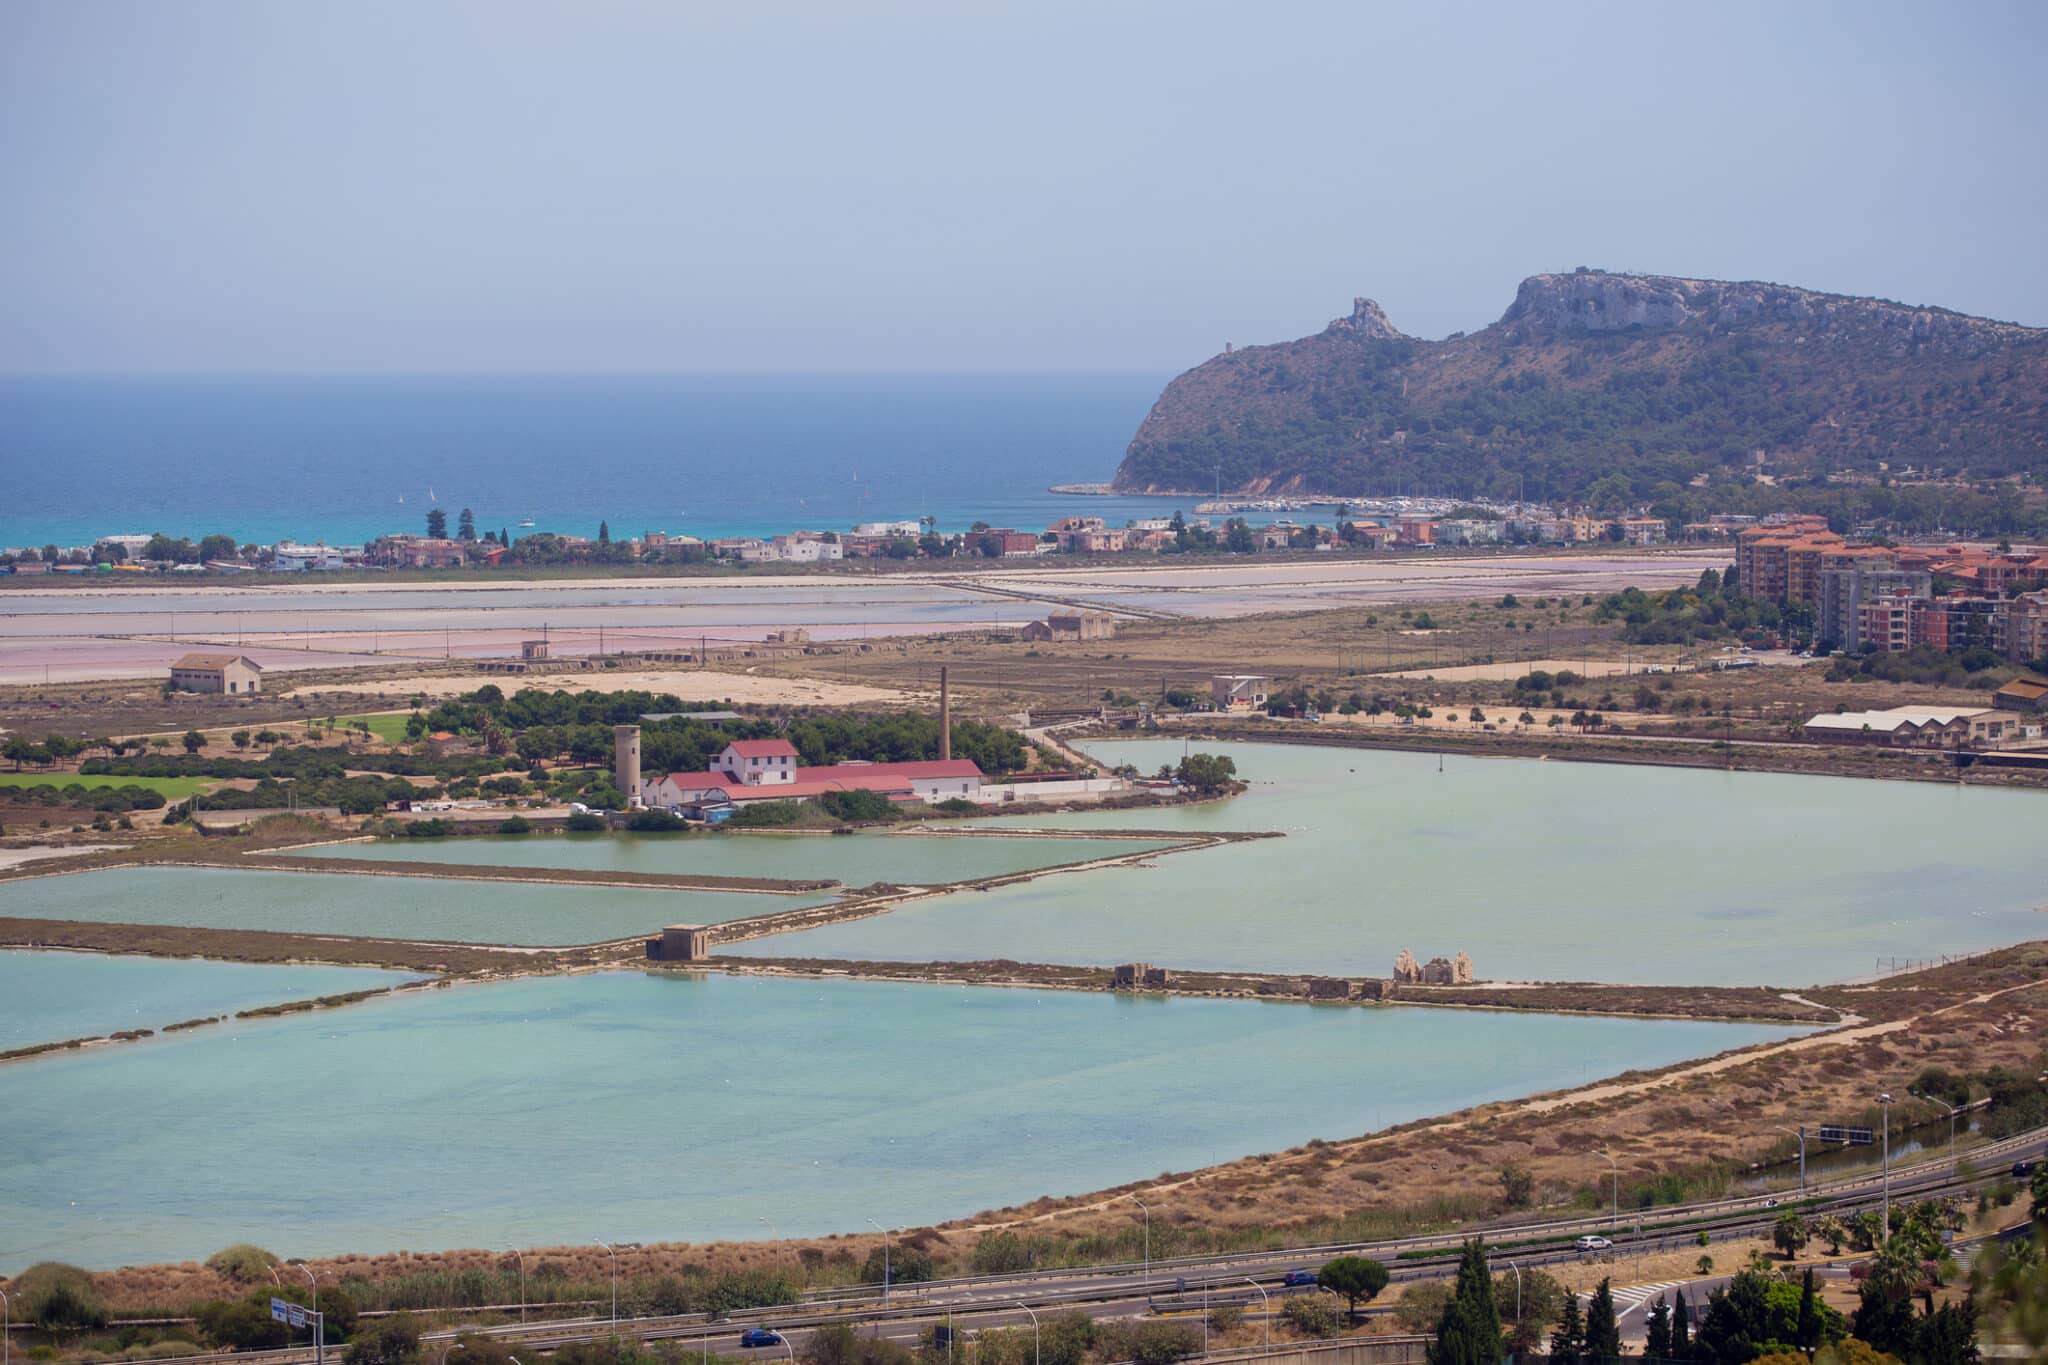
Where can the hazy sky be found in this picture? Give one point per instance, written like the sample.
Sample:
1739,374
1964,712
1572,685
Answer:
603,184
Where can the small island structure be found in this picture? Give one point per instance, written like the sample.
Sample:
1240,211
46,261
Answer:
1435,972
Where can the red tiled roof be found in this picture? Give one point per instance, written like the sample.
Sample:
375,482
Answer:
763,748
797,791
840,772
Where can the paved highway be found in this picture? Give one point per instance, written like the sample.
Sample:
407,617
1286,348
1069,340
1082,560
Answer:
1183,1285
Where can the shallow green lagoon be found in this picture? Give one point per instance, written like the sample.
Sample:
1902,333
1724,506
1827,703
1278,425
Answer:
1549,871
48,997
643,1106
451,911
856,860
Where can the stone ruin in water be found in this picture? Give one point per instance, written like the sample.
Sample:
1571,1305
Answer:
1435,972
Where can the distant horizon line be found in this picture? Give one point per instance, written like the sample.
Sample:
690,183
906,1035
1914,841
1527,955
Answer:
534,373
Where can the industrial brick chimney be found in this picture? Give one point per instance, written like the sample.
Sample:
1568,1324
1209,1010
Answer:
945,717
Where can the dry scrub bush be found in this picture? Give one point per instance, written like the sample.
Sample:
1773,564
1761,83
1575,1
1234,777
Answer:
243,1263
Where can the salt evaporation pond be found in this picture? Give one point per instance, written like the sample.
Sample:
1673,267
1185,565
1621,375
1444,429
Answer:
50,997
366,906
856,860
1539,870
646,1106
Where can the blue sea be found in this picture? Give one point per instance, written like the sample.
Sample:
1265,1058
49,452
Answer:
345,458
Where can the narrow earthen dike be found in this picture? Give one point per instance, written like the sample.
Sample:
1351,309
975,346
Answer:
879,900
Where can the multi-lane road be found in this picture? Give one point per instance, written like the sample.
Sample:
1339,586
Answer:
1186,1285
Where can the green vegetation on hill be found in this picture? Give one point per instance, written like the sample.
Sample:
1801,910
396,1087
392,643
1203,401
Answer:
1554,401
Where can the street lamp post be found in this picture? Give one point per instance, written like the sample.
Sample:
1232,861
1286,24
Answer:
784,1341
1034,1331
1518,1293
522,1280
1267,1301
760,1218
1614,1199
318,1323
6,1329
1886,1101
885,1257
615,1285
1148,1243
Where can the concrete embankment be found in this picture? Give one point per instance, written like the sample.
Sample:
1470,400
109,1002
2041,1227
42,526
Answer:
1655,751
1732,1004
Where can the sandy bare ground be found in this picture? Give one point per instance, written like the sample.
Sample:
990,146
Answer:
697,685
1509,670
98,633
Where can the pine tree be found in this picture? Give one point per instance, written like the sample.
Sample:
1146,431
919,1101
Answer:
504,536
1681,1329
1469,1332
1603,1338
604,533
465,525
1657,1331
1568,1342
437,523
1807,1335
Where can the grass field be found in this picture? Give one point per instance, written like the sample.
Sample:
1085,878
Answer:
388,726
172,788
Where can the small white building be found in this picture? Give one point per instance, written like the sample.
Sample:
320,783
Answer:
290,557
1238,691
233,674
757,762
808,547
682,789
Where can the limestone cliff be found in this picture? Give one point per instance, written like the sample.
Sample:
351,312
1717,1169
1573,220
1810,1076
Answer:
1659,381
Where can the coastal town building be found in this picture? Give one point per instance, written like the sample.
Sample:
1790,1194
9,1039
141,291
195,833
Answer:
1070,626
2021,694
231,674
1839,620
808,547
420,552
1238,691
290,557
1641,530
1917,727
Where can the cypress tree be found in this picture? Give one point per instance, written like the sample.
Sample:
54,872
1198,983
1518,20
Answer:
1603,1338
1807,1335
1657,1330
1469,1332
1681,1329
1568,1342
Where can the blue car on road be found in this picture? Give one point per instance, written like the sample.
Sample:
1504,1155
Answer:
1299,1277
760,1336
